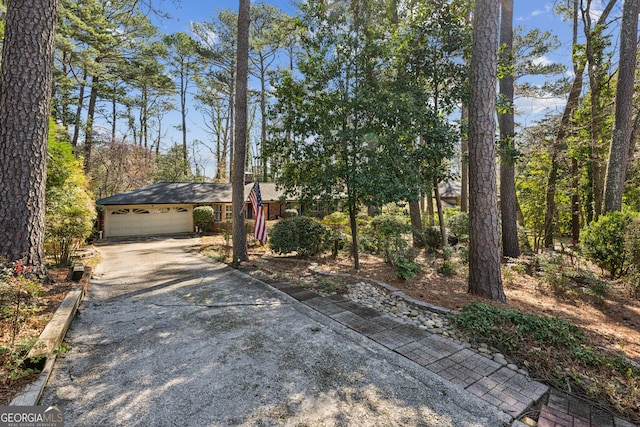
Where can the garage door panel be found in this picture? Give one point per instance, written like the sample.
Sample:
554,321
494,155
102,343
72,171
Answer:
145,220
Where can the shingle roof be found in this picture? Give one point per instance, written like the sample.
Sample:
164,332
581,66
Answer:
187,193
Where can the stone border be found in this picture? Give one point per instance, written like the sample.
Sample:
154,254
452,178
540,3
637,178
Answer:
313,266
48,343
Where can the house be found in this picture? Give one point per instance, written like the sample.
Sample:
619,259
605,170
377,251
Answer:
167,207
450,193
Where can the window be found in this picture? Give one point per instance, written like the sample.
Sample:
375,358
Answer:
228,212
182,210
120,212
217,212
140,211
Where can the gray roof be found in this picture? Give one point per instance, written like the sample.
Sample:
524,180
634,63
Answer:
187,193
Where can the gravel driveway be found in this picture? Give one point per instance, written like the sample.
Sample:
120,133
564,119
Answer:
168,338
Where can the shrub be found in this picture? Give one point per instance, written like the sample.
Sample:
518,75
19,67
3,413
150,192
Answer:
405,268
603,242
385,234
19,293
337,224
632,246
70,208
432,238
288,213
459,225
300,234
202,216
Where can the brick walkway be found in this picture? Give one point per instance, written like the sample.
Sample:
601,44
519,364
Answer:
510,391
562,410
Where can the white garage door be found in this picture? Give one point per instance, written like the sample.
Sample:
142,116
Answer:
147,220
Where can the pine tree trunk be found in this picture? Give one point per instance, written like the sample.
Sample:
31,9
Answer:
91,111
619,151
485,278
464,162
238,200
508,204
25,98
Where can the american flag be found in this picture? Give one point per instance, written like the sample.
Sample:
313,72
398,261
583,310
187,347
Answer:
260,231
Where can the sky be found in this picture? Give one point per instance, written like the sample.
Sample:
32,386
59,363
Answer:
527,13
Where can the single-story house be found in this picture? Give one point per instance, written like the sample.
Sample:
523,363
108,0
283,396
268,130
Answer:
167,207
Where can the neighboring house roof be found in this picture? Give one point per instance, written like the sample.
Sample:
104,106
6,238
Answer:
451,189
165,193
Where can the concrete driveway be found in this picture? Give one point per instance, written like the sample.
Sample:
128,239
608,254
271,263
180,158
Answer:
168,338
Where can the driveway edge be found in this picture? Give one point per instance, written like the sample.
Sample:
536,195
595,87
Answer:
48,343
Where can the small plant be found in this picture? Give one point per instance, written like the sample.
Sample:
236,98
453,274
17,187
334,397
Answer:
226,228
14,356
447,268
328,286
19,293
459,226
338,225
432,238
405,268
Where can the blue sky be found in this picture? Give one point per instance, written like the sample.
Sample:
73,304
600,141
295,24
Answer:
527,13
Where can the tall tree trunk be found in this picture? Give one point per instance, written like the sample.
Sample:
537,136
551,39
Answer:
594,57
263,122
91,111
508,204
353,222
575,202
239,234
485,278
619,151
183,114
550,199
78,117
443,227
25,98
563,130
416,223
464,161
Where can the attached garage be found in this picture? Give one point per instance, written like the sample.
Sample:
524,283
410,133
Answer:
144,220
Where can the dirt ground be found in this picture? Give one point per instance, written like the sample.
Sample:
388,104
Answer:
52,296
612,323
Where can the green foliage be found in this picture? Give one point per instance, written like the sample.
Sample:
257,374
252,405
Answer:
386,236
13,357
603,242
362,108
300,234
226,229
202,216
632,247
432,238
447,268
172,167
510,329
338,225
555,349
405,268
288,213
70,208
19,296
459,225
